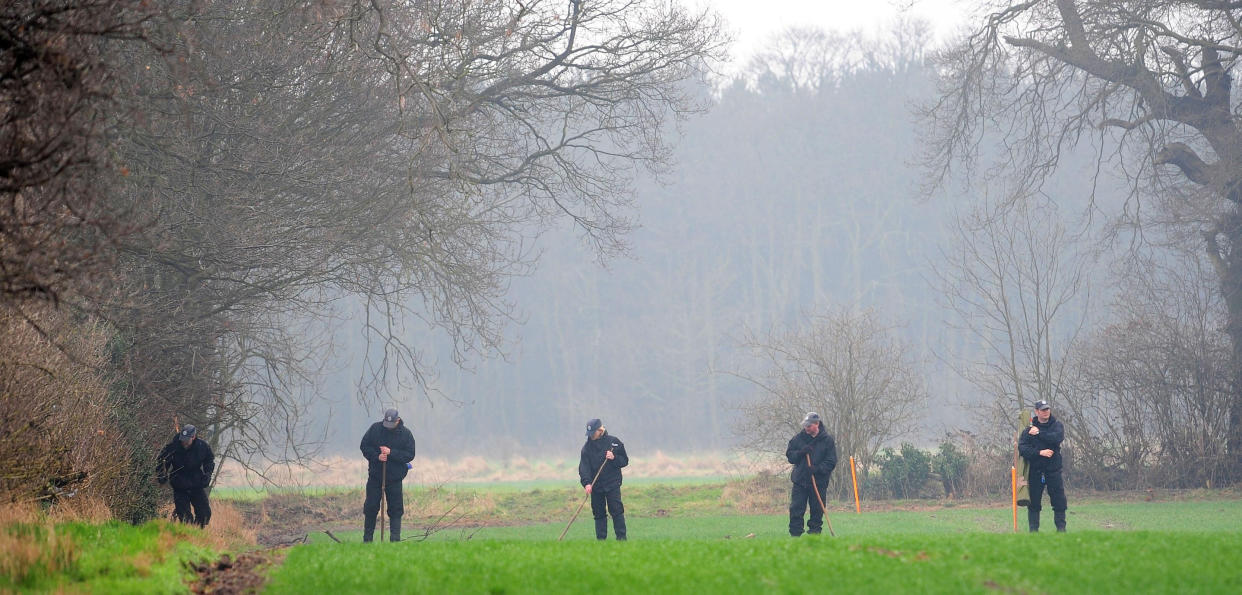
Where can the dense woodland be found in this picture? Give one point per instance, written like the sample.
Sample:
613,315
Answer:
507,218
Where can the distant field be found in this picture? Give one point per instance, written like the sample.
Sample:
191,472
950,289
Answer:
245,493
338,471
750,505
1124,547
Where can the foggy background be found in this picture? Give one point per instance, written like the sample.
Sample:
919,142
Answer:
798,191
506,218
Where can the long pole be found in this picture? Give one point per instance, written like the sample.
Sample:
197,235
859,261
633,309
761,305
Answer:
584,499
815,485
854,478
1013,489
383,487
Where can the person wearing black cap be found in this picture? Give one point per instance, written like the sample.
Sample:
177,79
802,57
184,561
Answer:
387,441
603,454
187,464
813,440
1040,445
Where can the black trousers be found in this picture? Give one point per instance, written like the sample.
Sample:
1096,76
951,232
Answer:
371,507
604,503
800,498
1056,496
183,500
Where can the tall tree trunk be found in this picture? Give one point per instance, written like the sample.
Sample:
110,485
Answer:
1231,286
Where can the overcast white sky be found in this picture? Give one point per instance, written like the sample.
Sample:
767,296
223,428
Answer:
752,21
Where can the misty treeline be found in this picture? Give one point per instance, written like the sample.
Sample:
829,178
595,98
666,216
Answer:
793,219
273,223
191,188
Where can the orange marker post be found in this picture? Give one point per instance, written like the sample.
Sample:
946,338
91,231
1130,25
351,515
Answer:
854,477
1013,490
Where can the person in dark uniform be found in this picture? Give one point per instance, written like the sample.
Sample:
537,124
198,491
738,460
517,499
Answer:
813,440
603,454
187,464
389,448
1040,445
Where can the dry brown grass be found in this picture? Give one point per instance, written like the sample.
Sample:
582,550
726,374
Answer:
349,472
228,530
55,437
85,509
759,494
30,544
18,512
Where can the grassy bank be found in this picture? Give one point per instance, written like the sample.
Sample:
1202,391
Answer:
108,557
64,550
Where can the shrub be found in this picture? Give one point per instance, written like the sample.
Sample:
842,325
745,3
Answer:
59,436
950,464
905,473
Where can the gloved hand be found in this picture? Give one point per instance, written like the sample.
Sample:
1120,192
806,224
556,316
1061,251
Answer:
806,450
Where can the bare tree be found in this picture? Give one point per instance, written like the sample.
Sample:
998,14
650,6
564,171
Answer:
56,87
847,366
1153,77
803,59
399,155
1017,284
247,167
1150,396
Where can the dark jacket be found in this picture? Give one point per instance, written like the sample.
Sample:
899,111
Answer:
186,468
1050,436
823,451
593,456
400,442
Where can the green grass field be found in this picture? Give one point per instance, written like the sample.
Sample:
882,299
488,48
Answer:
1143,547
1085,562
1189,545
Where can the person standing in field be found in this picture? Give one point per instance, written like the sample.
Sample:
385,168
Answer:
603,455
187,463
389,448
1040,445
812,441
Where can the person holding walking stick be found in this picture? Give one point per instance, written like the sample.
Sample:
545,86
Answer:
813,453
387,441
599,470
1040,445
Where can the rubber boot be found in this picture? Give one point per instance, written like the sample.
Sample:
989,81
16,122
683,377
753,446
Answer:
394,528
1058,517
1032,519
601,528
368,529
618,525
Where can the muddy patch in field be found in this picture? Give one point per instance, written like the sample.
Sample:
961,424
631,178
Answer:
244,574
288,519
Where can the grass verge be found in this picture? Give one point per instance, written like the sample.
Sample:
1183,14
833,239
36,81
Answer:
44,552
